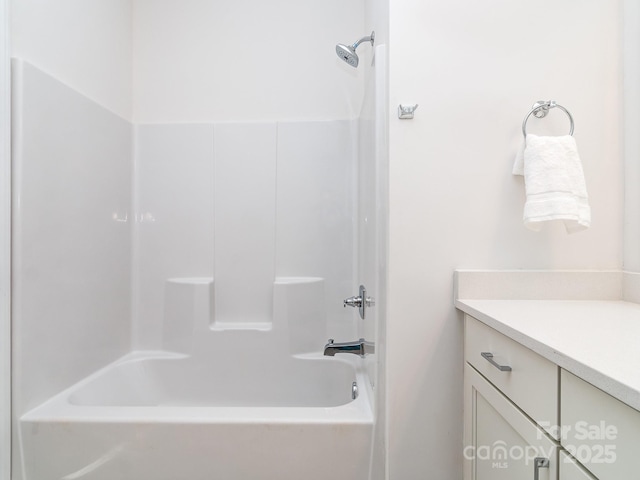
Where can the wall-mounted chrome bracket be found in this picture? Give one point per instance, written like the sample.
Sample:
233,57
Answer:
361,301
541,108
405,112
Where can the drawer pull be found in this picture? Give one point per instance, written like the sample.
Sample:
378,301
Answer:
538,463
489,358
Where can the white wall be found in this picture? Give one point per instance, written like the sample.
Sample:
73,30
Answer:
631,138
85,44
205,61
476,68
376,17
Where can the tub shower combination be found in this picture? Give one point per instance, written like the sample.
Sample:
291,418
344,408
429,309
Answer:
220,398
227,403
242,396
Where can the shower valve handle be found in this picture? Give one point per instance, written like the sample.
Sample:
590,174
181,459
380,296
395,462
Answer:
353,302
361,301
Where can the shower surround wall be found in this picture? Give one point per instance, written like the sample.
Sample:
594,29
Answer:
285,190
71,238
244,203
280,198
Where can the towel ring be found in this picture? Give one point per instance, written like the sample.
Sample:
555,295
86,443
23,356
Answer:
541,109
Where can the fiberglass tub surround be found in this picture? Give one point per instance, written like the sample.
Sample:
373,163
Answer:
237,403
243,247
231,393
230,367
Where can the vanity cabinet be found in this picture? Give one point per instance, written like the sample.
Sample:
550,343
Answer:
519,408
502,439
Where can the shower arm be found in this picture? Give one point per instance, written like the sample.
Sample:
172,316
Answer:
368,38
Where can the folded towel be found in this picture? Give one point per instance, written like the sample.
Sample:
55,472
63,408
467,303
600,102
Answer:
554,182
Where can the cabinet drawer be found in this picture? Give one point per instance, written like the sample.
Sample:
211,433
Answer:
600,431
532,382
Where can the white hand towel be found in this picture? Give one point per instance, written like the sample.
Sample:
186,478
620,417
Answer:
554,182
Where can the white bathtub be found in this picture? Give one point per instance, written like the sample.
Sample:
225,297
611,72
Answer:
162,416
238,402
153,381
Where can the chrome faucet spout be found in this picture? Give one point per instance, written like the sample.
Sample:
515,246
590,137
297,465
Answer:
361,347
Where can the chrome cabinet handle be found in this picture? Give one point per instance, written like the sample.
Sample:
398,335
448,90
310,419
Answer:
489,358
538,463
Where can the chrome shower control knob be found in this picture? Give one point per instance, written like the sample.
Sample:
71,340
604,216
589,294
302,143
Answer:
353,302
362,301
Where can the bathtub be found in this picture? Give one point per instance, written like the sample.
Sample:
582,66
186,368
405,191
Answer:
219,402
164,416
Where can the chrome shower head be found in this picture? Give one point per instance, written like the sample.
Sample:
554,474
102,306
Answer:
348,52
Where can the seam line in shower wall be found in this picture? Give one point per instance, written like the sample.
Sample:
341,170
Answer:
212,301
135,238
275,204
214,131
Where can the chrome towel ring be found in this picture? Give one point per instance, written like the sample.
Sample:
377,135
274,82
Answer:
541,109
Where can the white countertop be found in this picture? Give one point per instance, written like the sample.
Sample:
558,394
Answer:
597,340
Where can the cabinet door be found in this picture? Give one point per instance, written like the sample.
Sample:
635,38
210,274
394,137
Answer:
600,431
501,443
571,470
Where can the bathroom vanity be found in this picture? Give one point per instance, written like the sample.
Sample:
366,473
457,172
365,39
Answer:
551,383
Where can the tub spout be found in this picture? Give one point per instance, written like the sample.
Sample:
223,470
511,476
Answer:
361,347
